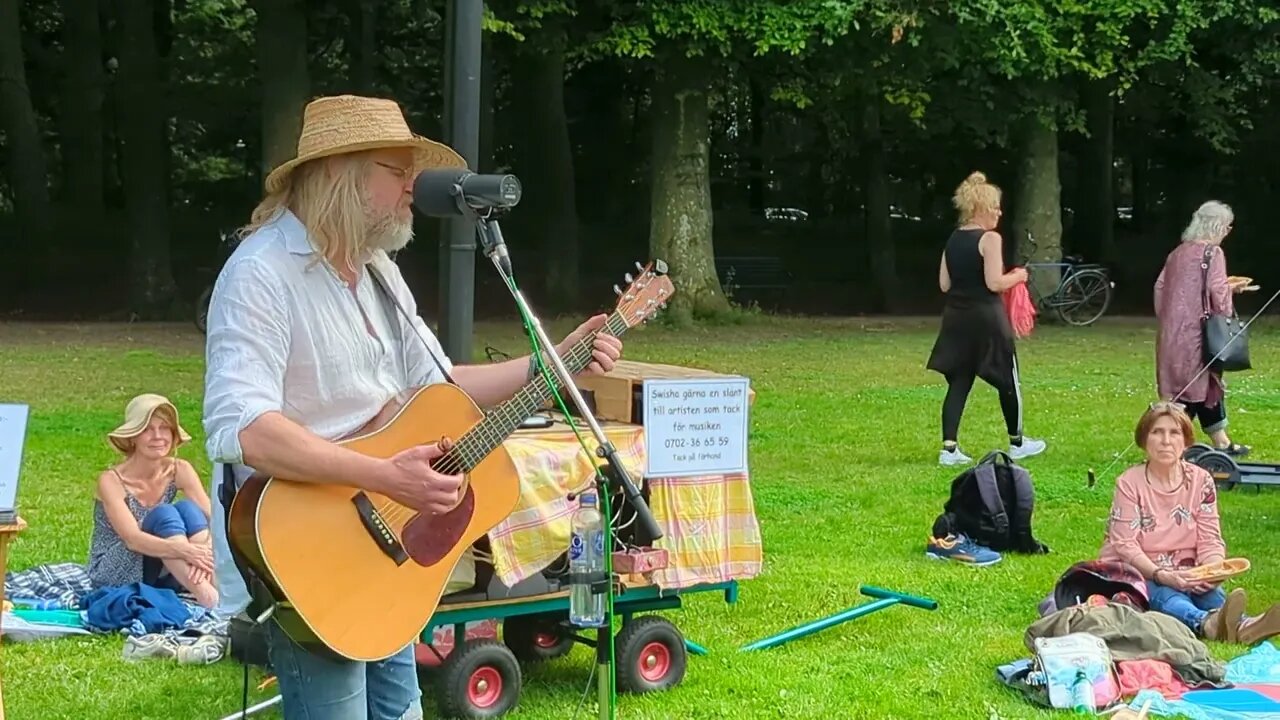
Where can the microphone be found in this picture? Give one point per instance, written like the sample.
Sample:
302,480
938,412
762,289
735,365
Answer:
449,192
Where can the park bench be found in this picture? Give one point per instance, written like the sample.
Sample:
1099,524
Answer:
751,274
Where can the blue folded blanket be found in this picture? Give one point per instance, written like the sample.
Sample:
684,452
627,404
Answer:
117,608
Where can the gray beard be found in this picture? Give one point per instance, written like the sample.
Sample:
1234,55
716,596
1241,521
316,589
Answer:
389,234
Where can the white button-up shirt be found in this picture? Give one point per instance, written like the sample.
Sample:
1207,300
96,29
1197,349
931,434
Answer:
287,334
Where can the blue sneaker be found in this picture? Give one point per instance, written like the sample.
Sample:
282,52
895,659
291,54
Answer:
961,549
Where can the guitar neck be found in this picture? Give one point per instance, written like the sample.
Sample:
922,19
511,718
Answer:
503,420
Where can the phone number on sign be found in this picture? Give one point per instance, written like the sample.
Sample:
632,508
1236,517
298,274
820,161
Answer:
696,442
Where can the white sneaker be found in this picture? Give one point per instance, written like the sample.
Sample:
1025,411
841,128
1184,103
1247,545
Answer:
153,645
1029,447
207,649
953,457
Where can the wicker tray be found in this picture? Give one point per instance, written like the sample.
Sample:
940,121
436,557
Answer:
1219,571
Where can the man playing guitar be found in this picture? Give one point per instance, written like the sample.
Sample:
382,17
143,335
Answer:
306,345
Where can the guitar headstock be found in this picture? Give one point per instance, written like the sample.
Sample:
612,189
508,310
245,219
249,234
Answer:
646,294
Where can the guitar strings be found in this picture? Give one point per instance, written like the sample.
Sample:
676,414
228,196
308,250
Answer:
464,455
477,443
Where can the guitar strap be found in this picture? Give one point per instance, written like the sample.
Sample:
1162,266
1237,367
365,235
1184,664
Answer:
387,295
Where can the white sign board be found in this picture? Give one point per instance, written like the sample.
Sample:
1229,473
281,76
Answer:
13,432
695,426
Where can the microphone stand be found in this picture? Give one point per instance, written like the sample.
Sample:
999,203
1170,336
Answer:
495,248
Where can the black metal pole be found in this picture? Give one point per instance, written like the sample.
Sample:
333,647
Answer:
462,133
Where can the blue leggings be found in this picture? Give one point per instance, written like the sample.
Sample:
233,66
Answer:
1189,609
165,521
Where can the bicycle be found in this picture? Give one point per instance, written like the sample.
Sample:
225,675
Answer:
1084,289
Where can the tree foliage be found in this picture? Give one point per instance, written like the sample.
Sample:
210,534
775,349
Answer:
862,114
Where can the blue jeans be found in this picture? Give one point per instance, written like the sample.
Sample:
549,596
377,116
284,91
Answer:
318,688
165,521
1188,609
181,518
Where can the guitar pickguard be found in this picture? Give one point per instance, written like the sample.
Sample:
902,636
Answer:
428,539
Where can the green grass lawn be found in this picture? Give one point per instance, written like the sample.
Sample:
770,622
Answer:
843,460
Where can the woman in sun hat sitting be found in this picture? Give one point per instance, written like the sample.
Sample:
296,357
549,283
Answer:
1164,522
140,535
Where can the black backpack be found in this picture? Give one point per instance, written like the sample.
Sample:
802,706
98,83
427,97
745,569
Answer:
992,503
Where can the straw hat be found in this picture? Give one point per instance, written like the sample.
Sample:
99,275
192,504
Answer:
350,123
137,415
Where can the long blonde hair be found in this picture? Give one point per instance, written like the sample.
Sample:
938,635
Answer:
328,196
975,196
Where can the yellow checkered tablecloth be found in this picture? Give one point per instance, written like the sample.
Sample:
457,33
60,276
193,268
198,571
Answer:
708,522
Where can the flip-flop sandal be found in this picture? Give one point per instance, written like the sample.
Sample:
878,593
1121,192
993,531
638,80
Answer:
1235,449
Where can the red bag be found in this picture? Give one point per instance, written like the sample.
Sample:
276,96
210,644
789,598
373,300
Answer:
1020,309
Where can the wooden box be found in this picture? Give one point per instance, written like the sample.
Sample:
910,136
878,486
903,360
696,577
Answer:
618,395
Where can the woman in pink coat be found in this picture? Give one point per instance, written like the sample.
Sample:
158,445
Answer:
1182,296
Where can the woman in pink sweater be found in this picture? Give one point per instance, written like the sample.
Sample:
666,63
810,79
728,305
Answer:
1164,521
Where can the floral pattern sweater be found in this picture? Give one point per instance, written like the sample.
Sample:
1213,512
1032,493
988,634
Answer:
1175,529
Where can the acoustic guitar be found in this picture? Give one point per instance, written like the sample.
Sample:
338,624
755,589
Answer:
360,575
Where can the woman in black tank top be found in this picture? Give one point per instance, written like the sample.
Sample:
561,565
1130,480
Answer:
975,339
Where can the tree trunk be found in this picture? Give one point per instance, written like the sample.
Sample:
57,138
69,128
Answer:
1039,207
680,211
362,49
876,205
820,193
1095,224
755,163
605,161
1191,162
81,115
28,177
281,42
1141,188
548,167
143,157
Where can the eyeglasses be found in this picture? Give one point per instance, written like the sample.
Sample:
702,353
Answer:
1167,405
399,172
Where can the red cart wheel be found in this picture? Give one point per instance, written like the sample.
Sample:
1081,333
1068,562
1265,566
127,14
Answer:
480,679
650,655
485,687
654,662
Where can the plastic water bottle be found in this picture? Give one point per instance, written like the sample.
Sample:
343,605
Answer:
586,555
1082,702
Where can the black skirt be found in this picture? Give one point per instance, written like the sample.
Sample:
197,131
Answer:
975,339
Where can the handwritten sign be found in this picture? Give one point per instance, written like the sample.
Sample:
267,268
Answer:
695,426
13,432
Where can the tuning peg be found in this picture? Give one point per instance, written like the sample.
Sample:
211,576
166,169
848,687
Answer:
617,291
628,278
639,267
